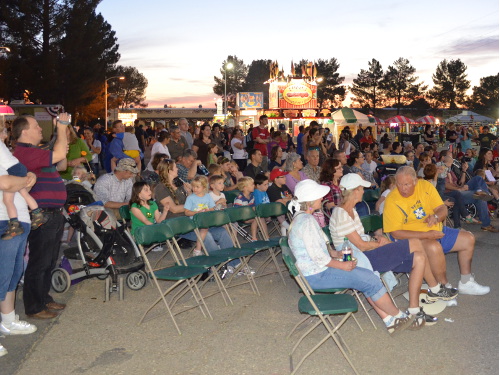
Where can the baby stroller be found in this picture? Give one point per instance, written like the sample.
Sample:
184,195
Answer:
104,248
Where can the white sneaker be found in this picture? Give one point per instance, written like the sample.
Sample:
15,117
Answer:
17,327
157,249
473,288
197,253
3,351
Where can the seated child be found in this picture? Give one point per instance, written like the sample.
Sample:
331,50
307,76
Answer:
235,171
144,210
261,196
14,168
199,201
80,174
215,169
216,191
246,198
130,146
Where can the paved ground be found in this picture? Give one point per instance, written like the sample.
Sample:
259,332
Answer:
97,337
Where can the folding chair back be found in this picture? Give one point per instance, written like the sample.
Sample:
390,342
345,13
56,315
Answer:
231,195
326,231
288,257
125,213
241,213
209,219
271,209
371,195
371,223
181,225
150,234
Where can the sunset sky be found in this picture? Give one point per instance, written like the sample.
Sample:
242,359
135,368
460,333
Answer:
180,46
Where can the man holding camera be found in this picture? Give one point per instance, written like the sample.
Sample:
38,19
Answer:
50,194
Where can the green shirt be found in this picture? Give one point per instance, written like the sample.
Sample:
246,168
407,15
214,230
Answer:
75,152
148,213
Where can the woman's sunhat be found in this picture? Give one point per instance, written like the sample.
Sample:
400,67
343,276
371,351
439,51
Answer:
309,191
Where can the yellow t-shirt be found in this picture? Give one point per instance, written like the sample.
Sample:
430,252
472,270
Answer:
409,213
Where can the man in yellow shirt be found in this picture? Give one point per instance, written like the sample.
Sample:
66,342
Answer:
415,210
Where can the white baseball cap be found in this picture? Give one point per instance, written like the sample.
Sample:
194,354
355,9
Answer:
310,190
352,181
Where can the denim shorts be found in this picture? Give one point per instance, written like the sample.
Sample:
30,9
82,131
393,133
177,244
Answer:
449,239
11,259
394,257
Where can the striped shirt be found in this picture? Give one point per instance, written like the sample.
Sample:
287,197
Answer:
341,224
49,190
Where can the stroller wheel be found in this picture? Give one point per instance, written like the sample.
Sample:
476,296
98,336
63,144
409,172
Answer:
60,280
136,280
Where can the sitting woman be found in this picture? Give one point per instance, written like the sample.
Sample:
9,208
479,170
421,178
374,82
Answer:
276,158
356,160
323,269
402,256
172,194
293,166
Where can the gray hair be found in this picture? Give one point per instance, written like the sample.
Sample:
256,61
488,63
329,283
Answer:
406,171
290,159
188,152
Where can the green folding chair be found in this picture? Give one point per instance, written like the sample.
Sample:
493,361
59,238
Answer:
182,225
241,214
272,210
210,219
231,195
184,278
322,306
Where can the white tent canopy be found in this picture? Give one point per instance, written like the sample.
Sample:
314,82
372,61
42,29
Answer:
469,117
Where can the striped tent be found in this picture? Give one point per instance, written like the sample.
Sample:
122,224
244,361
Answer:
400,120
378,121
347,116
431,120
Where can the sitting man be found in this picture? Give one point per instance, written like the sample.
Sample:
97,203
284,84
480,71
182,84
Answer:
312,170
115,189
188,165
415,210
254,167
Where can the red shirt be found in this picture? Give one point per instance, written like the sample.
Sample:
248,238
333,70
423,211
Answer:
258,132
49,190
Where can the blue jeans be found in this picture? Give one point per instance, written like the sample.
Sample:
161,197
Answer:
11,259
459,208
45,243
217,238
482,206
359,278
477,183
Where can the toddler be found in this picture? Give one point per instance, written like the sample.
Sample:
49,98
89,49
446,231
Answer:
199,201
216,191
386,187
130,146
14,168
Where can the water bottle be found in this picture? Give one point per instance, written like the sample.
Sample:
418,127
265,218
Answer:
203,170
346,251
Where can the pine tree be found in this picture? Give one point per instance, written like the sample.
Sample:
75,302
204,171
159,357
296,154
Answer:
450,83
368,85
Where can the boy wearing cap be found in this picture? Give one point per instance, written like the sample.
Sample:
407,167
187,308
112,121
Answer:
115,189
278,191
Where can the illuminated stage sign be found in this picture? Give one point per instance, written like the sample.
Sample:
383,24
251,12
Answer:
296,94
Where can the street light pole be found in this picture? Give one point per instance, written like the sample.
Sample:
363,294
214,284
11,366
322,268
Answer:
106,99
226,67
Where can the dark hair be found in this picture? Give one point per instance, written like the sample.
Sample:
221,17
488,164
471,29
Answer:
328,169
222,160
274,152
352,157
21,123
157,158
235,131
252,152
201,130
116,122
162,136
482,154
442,154
408,153
364,145
395,145
216,125
136,190
260,179
210,146
262,117
387,144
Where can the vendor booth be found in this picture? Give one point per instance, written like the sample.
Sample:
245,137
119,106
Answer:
352,119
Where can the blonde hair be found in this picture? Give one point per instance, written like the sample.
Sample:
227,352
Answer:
202,181
214,169
244,181
165,166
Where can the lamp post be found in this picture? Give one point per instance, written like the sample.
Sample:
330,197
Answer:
106,99
226,67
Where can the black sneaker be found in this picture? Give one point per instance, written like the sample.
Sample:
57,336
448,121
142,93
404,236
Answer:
428,319
444,294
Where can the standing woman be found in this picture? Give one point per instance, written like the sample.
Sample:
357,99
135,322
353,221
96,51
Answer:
314,142
293,166
200,145
95,148
75,156
323,269
160,147
240,155
429,136
12,255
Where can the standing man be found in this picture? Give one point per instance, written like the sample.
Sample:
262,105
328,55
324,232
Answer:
184,127
261,137
485,138
177,143
50,194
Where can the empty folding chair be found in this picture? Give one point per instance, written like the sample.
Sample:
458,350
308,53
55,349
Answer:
184,278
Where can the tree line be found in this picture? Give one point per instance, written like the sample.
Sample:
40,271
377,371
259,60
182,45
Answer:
61,52
397,86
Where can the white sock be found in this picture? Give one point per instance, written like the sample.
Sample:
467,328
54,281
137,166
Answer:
388,319
414,310
400,315
8,318
435,289
285,225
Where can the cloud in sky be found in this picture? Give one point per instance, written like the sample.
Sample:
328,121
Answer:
464,46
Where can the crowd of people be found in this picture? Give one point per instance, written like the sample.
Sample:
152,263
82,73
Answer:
322,181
